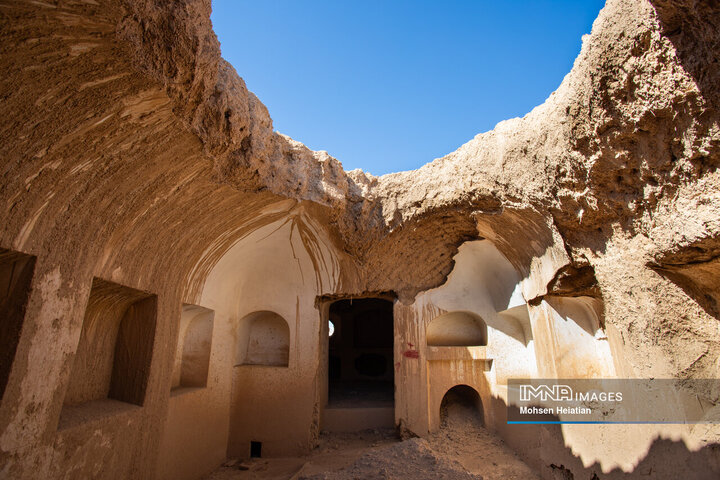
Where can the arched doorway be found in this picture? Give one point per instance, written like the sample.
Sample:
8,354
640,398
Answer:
461,406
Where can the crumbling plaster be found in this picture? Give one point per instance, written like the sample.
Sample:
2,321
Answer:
133,153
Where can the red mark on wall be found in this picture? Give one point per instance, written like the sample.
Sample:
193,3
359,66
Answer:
410,345
411,354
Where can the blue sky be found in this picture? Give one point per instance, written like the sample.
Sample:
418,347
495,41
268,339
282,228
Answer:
390,85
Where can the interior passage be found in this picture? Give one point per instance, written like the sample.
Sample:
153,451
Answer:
361,353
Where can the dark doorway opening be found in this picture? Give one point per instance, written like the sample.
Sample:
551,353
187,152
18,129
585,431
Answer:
255,449
360,369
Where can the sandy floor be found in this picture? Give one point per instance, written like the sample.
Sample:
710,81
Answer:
479,451
461,450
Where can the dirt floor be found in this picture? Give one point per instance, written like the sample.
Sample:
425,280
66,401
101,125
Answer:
461,450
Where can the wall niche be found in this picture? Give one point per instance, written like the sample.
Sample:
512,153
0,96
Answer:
192,357
112,361
457,329
16,271
266,340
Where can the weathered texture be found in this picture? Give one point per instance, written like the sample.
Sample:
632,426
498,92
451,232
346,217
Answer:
132,152
633,119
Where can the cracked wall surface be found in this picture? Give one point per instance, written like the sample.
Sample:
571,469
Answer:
132,152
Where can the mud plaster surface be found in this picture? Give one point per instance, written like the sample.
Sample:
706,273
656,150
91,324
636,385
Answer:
132,152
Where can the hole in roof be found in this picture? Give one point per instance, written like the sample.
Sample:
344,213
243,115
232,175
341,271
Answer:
389,86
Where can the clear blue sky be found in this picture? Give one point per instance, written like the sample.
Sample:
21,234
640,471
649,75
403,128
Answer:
390,85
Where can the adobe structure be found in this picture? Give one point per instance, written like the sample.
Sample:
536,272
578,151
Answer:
170,265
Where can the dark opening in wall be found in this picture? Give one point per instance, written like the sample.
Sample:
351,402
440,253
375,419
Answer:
112,360
255,449
461,406
16,271
360,369
371,365
192,357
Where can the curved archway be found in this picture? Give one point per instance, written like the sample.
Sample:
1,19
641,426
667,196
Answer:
268,340
461,406
457,329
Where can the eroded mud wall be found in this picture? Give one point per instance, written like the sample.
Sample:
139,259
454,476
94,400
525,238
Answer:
100,180
131,153
261,387
281,268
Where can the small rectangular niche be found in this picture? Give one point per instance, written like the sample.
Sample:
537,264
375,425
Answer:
112,361
16,271
192,356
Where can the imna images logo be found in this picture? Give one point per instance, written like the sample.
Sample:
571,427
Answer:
559,393
544,393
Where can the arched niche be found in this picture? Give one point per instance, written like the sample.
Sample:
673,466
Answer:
457,329
267,341
192,357
461,403
579,344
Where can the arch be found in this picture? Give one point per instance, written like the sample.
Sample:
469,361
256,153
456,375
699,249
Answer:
579,344
457,329
461,403
268,340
